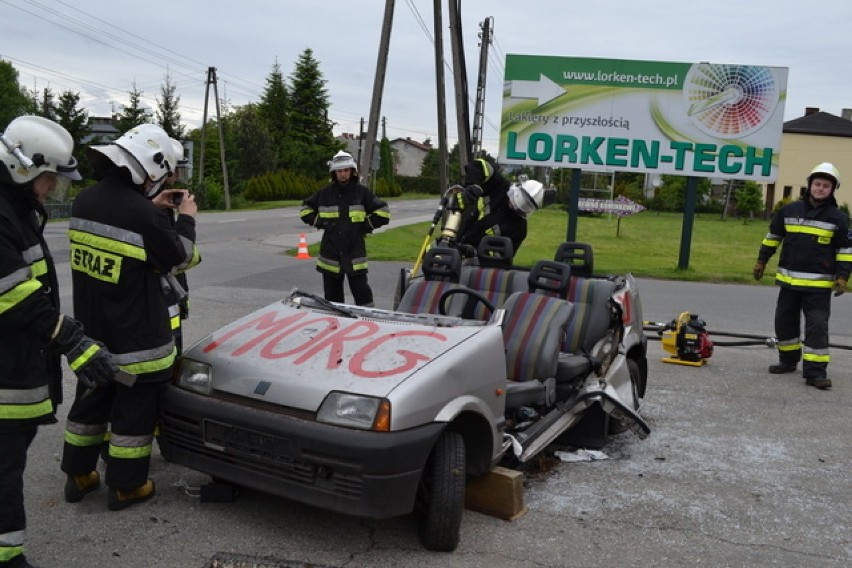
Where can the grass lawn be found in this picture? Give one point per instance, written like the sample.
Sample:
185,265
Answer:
647,244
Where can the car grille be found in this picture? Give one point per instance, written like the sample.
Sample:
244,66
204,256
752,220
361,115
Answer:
260,453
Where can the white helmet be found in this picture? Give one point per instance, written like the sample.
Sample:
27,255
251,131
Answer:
827,170
33,145
342,161
147,151
526,196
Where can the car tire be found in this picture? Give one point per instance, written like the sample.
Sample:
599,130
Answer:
440,497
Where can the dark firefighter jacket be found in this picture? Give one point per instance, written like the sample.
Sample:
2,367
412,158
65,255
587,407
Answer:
345,213
30,376
492,214
121,248
816,247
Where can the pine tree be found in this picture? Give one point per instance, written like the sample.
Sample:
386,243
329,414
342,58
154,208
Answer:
167,109
311,141
274,111
134,113
47,104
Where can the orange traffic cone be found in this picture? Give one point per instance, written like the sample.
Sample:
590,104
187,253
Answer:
303,247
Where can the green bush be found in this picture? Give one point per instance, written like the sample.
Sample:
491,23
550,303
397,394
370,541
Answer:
281,185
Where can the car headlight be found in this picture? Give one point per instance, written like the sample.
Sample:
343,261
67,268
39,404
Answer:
355,411
195,376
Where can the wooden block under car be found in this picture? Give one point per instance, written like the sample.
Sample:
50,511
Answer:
499,493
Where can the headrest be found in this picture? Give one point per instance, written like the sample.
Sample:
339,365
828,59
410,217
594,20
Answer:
550,276
495,252
578,256
442,263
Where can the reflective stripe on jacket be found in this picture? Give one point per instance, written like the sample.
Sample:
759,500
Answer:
346,213
30,375
815,245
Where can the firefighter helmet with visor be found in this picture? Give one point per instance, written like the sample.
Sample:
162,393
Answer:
342,161
526,196
31,146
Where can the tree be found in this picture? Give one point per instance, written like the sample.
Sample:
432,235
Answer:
274,110
14,100
310,142
167,109
134,113
255,154
749,199
46,107
76,121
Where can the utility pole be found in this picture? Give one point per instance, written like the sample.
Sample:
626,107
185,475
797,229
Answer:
460,77
479,105
211,79
366,158
443,154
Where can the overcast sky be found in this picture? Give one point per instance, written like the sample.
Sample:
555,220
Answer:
100,48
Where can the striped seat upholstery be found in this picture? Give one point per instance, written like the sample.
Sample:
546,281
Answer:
590,297
495,284
422,297
533,328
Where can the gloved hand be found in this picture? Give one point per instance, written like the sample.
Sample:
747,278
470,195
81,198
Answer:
840,286
468,196
89,359
759,267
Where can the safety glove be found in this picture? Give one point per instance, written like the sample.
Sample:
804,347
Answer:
840,286
759,267
89,359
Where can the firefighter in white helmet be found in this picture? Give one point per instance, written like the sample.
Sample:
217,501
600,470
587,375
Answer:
346,211
493,205
816,258
35,158
123,245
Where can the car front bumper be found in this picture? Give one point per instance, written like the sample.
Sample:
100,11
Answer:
361,473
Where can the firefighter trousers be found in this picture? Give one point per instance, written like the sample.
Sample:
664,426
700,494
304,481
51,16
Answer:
130,414
816,307
358,285
13,521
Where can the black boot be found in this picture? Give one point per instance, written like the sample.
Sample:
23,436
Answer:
781,368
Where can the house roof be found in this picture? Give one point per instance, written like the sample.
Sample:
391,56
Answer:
821,124
420,145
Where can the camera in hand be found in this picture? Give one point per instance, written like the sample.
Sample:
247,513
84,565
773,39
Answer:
177,198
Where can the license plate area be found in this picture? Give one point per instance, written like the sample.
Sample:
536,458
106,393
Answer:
246,442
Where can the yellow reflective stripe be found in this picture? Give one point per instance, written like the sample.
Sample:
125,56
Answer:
790,347
84,357
24,411
383,212
359,266
808,230
39,268
84,441
126,453
843,257
803,281
107,244
357,216
772,243
330,267
329,215
18,294
151,366
7,553
174,322
816,358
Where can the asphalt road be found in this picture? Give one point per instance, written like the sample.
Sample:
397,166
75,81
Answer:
742,468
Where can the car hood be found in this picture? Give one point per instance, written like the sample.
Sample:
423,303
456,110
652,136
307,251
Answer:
292,355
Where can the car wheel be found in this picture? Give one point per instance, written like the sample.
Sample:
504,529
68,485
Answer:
440,497
615,427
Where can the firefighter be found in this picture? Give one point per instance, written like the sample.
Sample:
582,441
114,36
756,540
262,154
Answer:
346,211
123,249
815,259
493,206
35,162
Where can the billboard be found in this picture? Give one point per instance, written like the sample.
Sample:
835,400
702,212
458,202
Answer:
692,119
